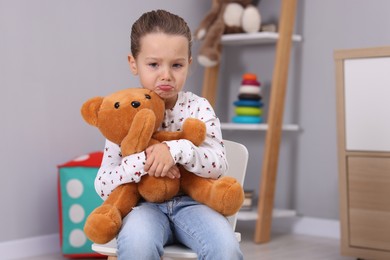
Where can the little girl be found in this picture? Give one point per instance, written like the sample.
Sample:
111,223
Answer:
161,56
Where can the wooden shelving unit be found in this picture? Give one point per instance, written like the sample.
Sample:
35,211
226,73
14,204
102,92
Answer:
254,38
283,40
256,127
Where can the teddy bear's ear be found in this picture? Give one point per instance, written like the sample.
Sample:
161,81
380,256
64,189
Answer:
90,110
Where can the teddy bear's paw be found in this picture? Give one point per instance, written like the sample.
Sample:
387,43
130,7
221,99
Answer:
194,130
251,20
232,15
227,196
201,34
206,61
103,224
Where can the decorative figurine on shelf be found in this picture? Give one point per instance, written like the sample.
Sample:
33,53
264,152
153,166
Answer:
249,108
225,16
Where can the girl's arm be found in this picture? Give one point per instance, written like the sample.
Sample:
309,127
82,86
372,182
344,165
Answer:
209,159
116,170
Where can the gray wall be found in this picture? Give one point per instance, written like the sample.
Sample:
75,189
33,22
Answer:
328,25
56,54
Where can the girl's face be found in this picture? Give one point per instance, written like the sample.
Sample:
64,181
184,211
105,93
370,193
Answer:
162,65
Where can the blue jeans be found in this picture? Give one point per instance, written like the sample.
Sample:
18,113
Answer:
150,226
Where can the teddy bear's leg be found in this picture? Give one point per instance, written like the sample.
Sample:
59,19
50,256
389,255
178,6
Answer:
210,51
224,195
158,189
208,20
103,224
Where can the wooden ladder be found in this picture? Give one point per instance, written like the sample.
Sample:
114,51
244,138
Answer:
275,117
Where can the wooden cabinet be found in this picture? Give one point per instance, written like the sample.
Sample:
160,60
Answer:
363,90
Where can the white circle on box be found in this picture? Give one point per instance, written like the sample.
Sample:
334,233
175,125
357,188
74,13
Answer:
74,188
76,213
77,238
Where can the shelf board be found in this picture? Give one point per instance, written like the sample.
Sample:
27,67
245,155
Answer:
255,127
246,215
254,38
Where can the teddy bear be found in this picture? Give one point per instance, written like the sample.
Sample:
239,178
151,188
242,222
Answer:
225,16
130,118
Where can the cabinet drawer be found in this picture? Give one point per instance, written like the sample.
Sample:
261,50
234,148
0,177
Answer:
369,202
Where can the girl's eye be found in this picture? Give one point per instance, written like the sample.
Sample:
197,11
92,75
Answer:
177,65
153,65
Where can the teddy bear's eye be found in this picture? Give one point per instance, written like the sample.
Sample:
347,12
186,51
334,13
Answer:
117,105
148,96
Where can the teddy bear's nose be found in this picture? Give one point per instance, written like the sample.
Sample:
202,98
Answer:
135,104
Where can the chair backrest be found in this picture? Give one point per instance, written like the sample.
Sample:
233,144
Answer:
237,157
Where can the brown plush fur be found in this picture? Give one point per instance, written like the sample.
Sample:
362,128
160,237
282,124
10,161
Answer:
211,29
134,129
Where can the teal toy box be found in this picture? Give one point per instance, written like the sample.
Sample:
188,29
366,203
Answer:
76,199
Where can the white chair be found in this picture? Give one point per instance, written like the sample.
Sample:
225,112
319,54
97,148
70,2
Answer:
237,156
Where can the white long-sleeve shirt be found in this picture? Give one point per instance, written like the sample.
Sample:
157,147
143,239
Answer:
208,160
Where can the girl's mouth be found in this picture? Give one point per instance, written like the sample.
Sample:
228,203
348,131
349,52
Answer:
165,87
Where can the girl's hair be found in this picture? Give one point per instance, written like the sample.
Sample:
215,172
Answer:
158,21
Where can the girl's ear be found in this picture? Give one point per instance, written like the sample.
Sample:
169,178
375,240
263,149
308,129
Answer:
190,60
132,64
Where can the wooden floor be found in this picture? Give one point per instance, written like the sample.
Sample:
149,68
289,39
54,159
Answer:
281,247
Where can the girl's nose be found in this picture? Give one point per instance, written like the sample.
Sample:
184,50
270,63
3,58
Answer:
166,74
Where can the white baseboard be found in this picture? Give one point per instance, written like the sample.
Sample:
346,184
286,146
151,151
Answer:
307,226
50,244
29,247
287,221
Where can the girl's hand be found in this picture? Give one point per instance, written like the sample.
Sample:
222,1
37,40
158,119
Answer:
174,172
159,162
